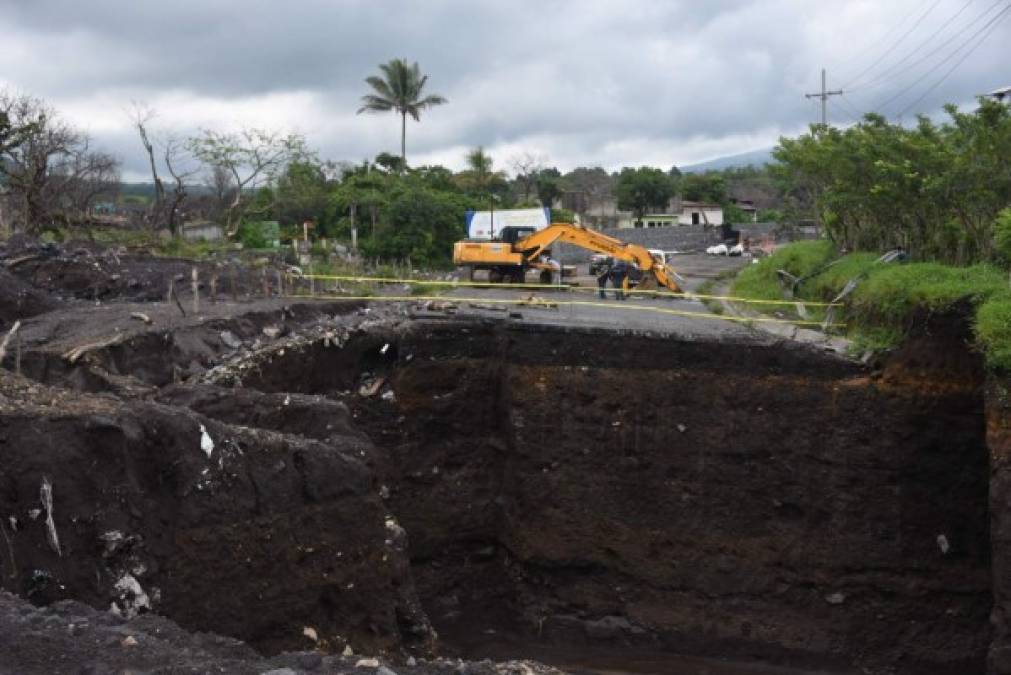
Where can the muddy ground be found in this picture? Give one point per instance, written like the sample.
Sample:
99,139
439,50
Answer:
403,483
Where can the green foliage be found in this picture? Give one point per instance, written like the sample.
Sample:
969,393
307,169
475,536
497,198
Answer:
761,281
549,187
257,234
642,189
301,193
993,331
894,294
891,298
735,214
770,216
1002,235
480,179
559,215
710,187
937,190
420,224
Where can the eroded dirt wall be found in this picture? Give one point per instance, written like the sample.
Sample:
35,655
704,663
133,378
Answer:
247,533
999,441
758,500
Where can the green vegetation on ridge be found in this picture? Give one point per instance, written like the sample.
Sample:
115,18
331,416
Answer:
891,299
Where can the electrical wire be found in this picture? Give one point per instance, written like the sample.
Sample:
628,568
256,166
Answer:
937,50
848,110
894,46
945,60
993,26
886,74
874,45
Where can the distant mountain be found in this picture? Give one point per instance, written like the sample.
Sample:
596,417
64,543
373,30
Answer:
753,158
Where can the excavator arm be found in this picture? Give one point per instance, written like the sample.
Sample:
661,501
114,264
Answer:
656,273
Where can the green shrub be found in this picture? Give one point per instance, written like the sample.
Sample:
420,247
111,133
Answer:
993,331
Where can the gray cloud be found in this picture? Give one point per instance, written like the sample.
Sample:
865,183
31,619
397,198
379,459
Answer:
649,81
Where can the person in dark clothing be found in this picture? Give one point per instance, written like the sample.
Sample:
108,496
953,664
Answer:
618,273
603,274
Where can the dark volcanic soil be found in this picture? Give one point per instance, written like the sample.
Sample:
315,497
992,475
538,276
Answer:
323,476
753,500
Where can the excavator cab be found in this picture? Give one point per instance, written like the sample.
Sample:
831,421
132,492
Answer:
512,234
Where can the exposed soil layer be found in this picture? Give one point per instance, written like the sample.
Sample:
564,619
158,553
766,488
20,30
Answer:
707,498
244,532
263,468
88,271
999,441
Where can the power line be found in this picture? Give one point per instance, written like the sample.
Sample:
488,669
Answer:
844,104
884,75
961,31
945,60
874,45
976,46
849,116
894,45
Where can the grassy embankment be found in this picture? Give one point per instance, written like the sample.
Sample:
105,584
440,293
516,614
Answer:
890,298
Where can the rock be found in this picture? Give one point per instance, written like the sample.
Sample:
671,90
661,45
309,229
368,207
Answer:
367,663
383,670
348,651
411,661
129,641
229,339
388,395
682,428
943,544
835,598
310,633
310,661
273,332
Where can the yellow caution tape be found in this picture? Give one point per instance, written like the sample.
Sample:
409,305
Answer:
586,289
575,303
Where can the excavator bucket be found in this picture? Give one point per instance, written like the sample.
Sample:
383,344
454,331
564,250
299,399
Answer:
648,283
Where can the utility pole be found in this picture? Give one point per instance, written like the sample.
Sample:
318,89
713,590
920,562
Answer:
824,98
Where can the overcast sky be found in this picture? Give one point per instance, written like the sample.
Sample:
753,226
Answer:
588,82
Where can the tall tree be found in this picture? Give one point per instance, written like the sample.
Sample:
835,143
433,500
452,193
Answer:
49,172
527,165
251,156
549,186
480,178
401,89
639,190
141,116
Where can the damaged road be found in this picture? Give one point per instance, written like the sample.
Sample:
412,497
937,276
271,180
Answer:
331,483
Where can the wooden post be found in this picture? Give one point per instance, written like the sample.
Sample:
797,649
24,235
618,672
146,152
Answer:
214,289
196,290
17,354
172,295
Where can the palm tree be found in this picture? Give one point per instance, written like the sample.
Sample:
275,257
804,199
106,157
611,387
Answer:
480,163
399,89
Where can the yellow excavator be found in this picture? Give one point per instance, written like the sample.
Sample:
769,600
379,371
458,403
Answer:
518,249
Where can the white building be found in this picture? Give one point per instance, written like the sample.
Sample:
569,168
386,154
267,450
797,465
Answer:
683,213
